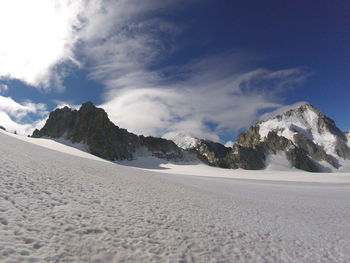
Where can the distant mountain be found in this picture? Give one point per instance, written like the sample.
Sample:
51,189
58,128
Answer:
91,126
183,140
304,136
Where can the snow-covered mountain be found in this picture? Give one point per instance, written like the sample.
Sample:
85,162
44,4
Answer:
311,123
305,136
183,140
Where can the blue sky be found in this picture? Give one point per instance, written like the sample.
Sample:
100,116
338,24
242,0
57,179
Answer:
209,68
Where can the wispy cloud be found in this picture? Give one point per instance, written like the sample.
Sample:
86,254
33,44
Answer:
15,116
208,97
208,106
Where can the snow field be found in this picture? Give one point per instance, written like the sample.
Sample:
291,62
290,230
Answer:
56,207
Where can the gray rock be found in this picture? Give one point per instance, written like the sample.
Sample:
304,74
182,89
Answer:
211,153
2,128
246,158
314,150
298,157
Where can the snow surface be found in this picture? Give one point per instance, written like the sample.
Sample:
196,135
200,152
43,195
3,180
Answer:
58,207
58,144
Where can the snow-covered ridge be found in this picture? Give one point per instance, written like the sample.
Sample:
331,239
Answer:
304,120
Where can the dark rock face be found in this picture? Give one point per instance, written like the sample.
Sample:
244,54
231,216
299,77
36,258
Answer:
216,154
90,125
298,157
162,148
246,158
250,138
2,128
314,150
274,144
211,153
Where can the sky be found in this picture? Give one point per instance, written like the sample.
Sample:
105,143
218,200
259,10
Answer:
162,67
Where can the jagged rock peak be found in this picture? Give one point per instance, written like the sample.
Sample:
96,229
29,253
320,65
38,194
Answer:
91,126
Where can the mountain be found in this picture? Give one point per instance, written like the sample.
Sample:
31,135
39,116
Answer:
303,136
91,126
309,139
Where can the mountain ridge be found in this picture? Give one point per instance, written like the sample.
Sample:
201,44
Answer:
304,136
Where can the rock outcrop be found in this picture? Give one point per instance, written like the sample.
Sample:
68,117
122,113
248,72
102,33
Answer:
2,128
91,126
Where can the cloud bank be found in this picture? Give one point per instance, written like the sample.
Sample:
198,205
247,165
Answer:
122,43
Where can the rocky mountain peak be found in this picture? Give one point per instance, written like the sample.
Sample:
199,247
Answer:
91,126
309,133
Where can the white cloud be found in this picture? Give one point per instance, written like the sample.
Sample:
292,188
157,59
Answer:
3,88
41,39
36,36
122,42
17,117
119,41
207,108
